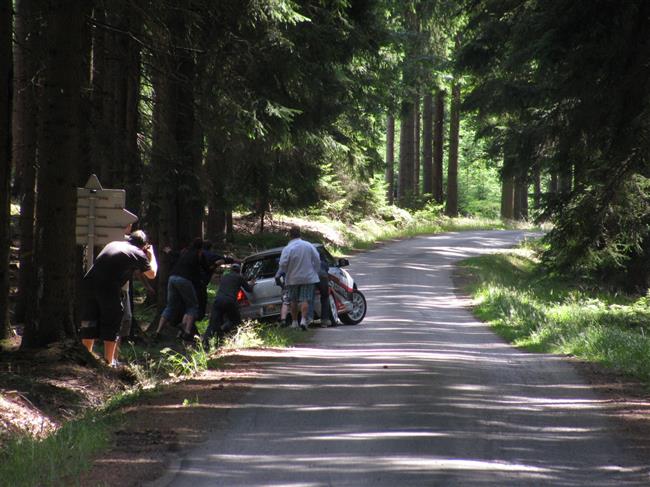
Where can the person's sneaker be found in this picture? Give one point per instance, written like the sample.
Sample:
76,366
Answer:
294,324
325,323
116,364
304,325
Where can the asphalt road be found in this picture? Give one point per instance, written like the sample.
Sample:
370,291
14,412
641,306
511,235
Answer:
419,394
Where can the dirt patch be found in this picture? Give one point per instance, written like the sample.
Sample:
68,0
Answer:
39,390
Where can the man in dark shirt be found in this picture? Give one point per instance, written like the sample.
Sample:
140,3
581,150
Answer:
181,289
225,303
101,290
213,260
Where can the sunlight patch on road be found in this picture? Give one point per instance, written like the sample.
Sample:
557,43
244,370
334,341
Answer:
379,435
376,463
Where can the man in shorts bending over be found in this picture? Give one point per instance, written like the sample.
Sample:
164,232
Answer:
101,290
299,261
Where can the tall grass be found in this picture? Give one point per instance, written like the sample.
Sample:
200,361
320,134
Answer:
56,460
546,314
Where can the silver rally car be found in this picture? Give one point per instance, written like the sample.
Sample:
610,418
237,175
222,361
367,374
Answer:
265,301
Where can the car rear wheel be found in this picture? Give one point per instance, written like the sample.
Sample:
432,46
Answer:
358,312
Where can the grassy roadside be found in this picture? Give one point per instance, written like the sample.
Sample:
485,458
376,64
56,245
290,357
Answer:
545,314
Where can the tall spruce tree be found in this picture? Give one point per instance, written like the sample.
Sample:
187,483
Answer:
6,84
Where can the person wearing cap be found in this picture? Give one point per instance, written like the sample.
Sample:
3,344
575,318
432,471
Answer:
101,290
225,303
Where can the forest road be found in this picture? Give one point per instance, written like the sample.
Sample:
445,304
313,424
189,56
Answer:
419,394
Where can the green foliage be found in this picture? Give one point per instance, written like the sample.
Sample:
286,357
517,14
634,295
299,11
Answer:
191,362
56,460
605,239
553,87
253,334
548,314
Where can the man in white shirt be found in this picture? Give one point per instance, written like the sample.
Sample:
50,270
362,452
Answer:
300,263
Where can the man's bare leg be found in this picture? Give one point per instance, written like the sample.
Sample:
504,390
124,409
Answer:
88,343
294,314
110,349
163,321
304,310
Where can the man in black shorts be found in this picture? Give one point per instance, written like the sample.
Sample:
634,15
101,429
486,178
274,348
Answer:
101,290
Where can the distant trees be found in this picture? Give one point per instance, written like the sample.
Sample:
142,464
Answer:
199,108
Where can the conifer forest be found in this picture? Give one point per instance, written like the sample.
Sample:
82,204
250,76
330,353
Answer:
515,109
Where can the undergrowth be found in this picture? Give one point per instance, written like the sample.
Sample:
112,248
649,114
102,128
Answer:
548,314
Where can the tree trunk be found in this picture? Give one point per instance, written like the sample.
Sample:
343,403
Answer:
25,131
427,145
406,144
6,79
416,146
59,158
507,198
390,159
176,169
162,153
134,173
101,123
216,169
451,208
553,184
520,208
230,227
190,199
537,189
438,145
565,180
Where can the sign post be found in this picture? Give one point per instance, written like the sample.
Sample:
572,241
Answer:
101,217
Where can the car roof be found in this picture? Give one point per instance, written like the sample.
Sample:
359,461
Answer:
273,251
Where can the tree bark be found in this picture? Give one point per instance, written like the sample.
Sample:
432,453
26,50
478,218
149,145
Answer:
101,123
507,198
416,146
407,132
390,159
427,145
537,189
216,228
59,158
565,180
438,146
6,78
520,199
451,208
25,123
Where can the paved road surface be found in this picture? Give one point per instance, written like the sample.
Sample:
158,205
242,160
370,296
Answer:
419,394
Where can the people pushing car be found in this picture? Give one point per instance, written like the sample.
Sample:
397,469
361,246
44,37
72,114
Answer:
225,304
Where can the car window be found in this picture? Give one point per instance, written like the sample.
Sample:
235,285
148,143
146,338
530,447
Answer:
331,261
261,268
